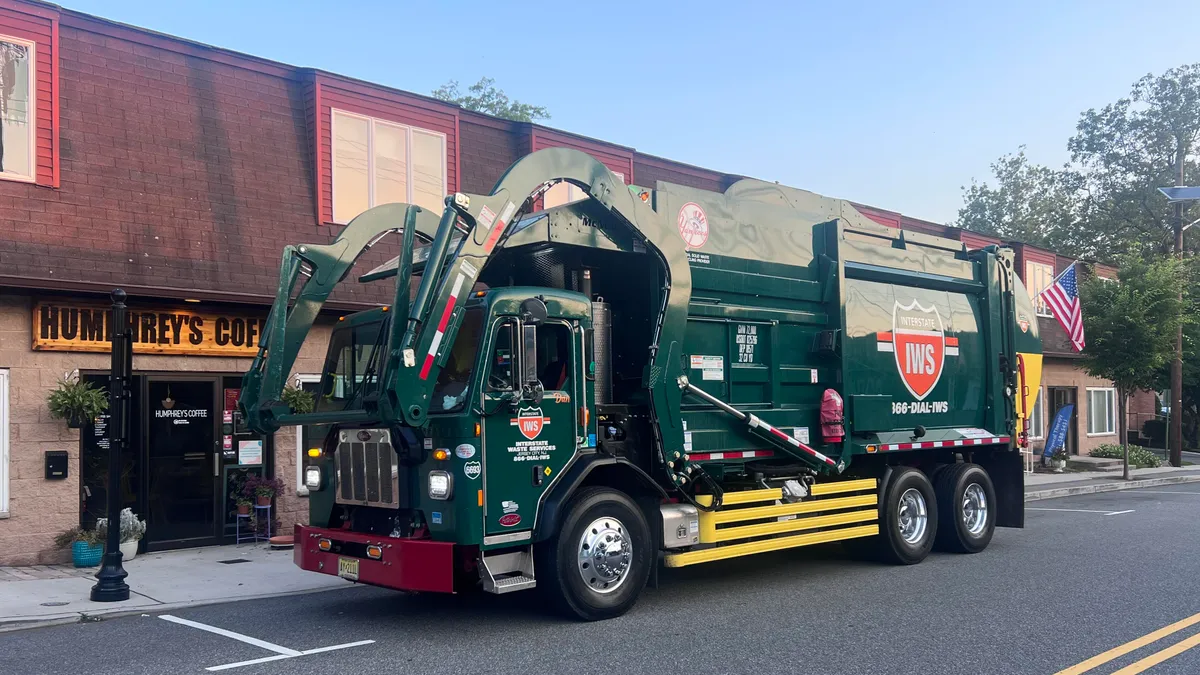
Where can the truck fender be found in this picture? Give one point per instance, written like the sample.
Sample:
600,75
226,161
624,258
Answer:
619,473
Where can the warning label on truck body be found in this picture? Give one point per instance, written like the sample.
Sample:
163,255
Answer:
711,367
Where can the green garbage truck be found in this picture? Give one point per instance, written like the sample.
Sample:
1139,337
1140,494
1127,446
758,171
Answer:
566,399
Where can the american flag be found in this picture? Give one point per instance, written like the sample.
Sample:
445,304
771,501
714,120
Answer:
1063,298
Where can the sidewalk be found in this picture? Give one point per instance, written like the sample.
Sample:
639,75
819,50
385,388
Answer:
1052,485
158,582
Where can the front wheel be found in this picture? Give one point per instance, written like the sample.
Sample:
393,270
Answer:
598,563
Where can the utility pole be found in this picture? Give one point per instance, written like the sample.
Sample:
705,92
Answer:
1176,434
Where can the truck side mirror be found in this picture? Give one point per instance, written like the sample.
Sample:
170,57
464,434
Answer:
529,374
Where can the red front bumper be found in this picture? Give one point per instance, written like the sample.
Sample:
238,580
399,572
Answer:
407,564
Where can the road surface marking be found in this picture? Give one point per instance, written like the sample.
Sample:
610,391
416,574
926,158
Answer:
281,652
230,634
306,652
1132,645
1103,513
1160,656
1168,492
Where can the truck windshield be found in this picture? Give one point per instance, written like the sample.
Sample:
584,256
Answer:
349,368
454,382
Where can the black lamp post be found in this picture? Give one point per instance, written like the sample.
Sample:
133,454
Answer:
111,586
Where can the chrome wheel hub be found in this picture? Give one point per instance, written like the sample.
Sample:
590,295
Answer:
604,555
974,508
912,515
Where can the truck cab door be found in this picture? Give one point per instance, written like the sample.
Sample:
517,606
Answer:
526,442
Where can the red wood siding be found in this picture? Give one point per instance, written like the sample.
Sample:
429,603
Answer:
922,226
650,170
615,157
888,218
40,26
331,93
974,240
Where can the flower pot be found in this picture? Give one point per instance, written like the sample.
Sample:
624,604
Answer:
129,550
75,422
243,509
84,554
1058,465
263,501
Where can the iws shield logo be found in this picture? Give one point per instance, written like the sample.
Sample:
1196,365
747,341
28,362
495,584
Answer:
919,342
530,422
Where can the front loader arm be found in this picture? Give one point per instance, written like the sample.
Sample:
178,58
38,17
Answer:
289,322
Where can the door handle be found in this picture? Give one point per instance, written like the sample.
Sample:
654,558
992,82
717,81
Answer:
216,464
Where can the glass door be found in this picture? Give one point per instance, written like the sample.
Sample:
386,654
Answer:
182,461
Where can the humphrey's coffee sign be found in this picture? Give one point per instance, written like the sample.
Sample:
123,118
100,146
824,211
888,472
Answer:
88,328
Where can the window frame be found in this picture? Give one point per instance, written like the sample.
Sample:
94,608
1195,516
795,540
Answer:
1039,414
1112,411
409,130
32,131
1040,307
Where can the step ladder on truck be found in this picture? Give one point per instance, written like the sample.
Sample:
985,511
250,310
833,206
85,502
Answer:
564,399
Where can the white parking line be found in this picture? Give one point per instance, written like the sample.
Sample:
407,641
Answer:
1168,492
281,652
1103,513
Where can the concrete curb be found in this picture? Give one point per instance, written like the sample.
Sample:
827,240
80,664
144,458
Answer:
17,623
1053,493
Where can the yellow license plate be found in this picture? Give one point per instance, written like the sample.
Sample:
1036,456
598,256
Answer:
348,568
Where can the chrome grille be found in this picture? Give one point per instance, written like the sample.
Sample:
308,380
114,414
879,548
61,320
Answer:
367,470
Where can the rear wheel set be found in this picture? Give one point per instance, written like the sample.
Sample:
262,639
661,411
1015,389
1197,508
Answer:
954,512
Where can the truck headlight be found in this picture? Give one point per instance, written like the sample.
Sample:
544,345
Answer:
312,477
441,485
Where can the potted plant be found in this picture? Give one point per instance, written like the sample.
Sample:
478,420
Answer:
300,401
243,506
132,530
1058,461
261,489
76,401
86,547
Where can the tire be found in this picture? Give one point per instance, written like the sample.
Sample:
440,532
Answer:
908,519
966,508
574,583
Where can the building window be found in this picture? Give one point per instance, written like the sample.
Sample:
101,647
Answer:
3,443
565,193
1037,419
378,162
1038,277
306,436
18,146
1102,412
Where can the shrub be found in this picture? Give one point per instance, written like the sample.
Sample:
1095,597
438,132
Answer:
75,534
1138,456
132,529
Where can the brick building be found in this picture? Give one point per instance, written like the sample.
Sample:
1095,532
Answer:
178,172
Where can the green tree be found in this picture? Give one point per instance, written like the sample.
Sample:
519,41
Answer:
1128,149
1028,202
484,97
1130,327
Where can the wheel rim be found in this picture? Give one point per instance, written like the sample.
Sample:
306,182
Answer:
605,555
974,508
912,516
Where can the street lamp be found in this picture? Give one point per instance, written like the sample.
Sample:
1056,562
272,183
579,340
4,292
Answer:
110,580
1178,195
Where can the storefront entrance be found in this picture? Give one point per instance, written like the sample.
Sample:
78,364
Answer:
183,471
1061,397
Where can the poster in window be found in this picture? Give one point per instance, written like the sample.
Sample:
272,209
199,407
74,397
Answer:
16,107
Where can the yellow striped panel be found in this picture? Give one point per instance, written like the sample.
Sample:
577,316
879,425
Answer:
775,510
764,545
743,497
843,486
795,525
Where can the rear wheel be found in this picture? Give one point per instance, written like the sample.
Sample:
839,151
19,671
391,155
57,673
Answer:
909,518
967,508
598,563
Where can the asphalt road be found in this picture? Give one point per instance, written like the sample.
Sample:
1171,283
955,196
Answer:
1073,584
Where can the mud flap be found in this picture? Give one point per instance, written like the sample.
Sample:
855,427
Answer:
1008,478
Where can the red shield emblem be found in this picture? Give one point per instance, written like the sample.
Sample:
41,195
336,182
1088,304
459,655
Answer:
920,346
530,422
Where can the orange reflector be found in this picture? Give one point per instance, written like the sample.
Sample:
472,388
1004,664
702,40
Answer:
480,294
385,308
324,544
341,318
440,454
314,452
871,448
584,416
477,429
481,497
375,552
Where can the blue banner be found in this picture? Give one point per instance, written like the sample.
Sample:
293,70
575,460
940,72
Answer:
1058,430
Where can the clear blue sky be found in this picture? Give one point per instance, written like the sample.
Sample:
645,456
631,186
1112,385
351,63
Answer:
894,104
